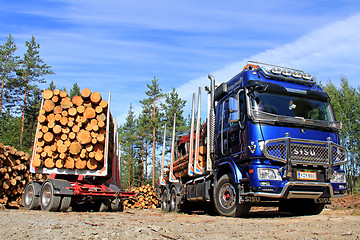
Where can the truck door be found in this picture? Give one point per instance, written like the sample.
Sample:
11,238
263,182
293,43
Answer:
236,122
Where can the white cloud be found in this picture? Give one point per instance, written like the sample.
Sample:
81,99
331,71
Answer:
327,53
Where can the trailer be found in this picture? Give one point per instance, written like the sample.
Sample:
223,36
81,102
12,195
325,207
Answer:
270,139
82,189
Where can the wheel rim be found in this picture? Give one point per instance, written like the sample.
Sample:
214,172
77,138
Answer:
163,202
29,195
173,201
46,196
227,196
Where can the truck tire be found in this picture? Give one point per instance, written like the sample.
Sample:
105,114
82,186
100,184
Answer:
116,205
165,206
30,197
174,200
105,205
65,203
226,198
49,201
301,207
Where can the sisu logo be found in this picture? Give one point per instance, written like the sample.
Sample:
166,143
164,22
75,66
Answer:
304,152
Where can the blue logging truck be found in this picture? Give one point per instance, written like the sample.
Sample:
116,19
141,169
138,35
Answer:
270,139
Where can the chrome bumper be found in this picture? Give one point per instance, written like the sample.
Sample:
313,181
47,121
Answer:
297,194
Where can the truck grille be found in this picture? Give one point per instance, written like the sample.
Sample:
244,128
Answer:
305,151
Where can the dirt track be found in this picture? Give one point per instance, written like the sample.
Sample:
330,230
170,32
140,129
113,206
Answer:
154,224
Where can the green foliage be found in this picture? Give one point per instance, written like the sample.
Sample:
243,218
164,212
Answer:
10,129
75,91
8,66
31,71
346,103
20,93
131,169
52,86
151,107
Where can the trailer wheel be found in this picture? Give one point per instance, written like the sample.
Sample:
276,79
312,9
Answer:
226,198
65,203
174,202
49,201
30,198
105,205
116,205
164,201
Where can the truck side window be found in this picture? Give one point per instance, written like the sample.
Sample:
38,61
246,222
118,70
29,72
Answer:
226,114
242,104
233,110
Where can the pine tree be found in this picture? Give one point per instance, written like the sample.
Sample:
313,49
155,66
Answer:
150,106
8,65
31,71
52,85
75,91
128,138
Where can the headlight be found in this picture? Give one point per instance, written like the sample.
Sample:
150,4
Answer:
268,174
339,177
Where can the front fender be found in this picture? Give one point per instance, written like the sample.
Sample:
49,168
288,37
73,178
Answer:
228,163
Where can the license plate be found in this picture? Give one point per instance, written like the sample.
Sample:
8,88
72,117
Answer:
306,175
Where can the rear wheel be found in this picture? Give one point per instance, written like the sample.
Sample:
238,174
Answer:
65,203
174,200
226,198
164,201
30,198
49,201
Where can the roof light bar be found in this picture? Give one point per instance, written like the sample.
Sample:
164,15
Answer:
284,73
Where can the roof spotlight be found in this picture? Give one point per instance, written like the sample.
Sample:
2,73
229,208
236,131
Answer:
286,72
296,74
307,76
276,70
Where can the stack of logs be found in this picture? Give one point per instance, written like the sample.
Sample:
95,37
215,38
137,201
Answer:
71,132
180,166
146,198
14,175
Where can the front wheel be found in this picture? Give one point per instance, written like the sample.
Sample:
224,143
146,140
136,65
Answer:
226,198
49,201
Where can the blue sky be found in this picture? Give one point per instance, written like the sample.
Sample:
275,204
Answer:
120,45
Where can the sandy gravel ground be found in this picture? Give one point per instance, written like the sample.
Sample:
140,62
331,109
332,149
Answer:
154,224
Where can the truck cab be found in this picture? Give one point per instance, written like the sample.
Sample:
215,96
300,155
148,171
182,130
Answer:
276,139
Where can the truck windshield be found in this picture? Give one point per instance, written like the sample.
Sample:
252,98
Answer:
292,109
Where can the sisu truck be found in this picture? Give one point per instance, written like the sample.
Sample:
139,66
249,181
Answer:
271,138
